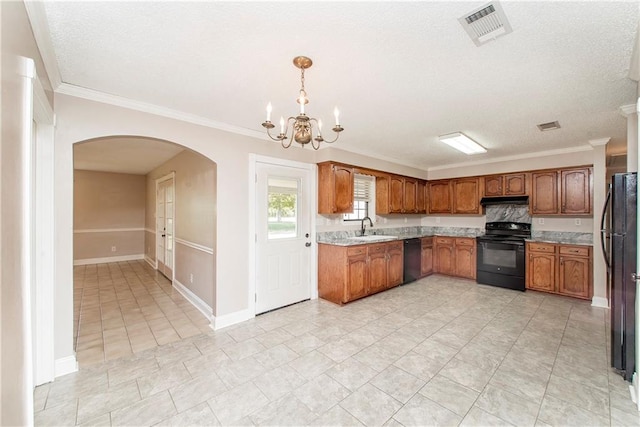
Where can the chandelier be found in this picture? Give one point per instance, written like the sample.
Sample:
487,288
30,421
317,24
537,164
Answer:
302,126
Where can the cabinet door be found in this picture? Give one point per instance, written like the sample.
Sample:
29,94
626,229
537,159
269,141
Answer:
575,191
574,278
382,194
410,189
544,197
444,256
395,255
426,261
377,267
343,189
421,197
515,184
493,185
465,258
541,270
357,277
466,197
439,195
396,192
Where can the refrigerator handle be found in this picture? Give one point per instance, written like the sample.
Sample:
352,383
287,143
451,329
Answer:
603,231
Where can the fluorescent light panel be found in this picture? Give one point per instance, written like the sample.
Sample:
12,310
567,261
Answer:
462,142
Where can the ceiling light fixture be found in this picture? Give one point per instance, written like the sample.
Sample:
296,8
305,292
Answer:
462,142
301,125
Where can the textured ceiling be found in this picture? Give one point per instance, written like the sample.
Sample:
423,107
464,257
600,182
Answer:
401,73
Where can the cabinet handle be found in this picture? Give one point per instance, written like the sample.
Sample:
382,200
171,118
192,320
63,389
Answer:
530,257
561,261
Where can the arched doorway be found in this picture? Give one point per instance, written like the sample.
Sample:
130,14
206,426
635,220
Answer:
122,305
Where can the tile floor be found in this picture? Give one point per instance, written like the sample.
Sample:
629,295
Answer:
127,307
440,351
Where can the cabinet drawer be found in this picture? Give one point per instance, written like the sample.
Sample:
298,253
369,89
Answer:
356,250
542,247
574,250
427,241
378,248
395,246
444,240
465,242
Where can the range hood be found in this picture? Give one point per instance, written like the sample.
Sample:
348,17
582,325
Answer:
505,200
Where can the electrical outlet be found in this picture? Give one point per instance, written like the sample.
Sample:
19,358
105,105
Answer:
437,220
113,248
578,222
384,220
541,221
191,278
405,219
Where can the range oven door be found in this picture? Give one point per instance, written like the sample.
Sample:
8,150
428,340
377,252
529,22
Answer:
501,264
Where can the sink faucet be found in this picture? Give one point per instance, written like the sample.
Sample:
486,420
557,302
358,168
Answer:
362,229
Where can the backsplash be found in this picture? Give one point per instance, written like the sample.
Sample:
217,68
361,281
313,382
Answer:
508,213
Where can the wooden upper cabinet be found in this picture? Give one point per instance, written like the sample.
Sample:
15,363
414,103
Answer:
382,194
466,196
439,196
335,188
515,184
493,185
409,201
544,193
575,191
396,194
512,184
421,197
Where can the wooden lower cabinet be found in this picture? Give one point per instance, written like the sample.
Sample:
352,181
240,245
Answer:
426,256
559,269
395,259
346,273
455,256
444,255
465,258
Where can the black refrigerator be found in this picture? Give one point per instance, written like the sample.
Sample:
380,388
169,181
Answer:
619,226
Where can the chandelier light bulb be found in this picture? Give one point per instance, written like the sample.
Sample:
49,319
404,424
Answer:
269,108
337,114
281,124
319,127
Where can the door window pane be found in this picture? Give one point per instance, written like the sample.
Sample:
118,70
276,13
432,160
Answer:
283,208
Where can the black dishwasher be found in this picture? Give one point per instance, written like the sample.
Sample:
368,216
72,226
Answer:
412,252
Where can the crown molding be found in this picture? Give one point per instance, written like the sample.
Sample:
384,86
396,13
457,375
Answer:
515,157
42,34
598,142
119,101
627,110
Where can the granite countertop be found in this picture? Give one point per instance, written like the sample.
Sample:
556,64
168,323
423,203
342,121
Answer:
349,239
562,237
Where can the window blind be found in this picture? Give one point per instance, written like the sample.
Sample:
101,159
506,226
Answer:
362,187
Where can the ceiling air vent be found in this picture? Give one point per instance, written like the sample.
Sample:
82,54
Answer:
486,23
549,126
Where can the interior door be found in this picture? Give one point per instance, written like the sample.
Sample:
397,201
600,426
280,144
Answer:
165,225
283,236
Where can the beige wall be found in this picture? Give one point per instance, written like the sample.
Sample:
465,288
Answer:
195,221
108,212
16,398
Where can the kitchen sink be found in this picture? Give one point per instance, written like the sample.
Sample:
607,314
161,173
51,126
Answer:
373,237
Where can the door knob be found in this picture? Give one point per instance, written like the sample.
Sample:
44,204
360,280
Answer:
307,244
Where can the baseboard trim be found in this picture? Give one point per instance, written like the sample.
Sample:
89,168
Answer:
195,300
600,302
152,262
66,365
105,260
231,319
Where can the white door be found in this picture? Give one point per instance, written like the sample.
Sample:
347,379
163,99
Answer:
283,243
164,225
